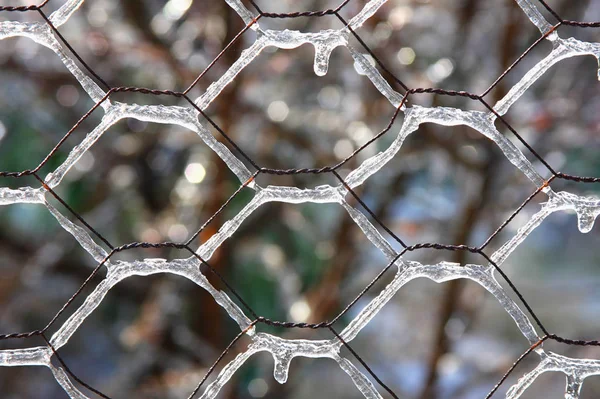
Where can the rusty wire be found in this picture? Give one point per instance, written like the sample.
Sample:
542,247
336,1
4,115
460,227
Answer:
332,169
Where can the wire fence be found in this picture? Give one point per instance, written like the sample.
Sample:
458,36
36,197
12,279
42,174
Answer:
193,115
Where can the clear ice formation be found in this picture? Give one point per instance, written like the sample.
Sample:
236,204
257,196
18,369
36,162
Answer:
284,350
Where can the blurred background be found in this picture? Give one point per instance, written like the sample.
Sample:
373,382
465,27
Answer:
155,337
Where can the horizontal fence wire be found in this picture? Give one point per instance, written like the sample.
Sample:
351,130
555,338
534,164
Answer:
257,319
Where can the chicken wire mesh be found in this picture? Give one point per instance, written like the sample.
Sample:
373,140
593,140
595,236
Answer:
356,164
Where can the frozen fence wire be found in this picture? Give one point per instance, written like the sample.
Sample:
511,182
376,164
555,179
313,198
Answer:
193,117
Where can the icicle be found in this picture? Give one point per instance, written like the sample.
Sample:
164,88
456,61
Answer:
284,350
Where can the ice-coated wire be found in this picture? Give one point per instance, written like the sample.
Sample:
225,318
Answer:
47,33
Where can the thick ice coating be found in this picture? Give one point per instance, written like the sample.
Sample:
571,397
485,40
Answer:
285,350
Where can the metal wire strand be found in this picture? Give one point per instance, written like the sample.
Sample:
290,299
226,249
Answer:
258,319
